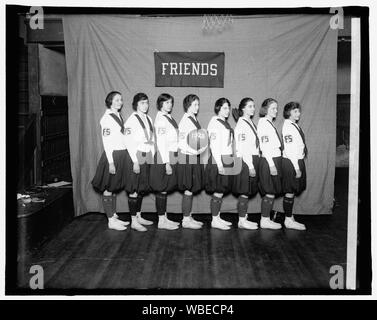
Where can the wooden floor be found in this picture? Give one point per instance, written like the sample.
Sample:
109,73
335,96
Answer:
87,255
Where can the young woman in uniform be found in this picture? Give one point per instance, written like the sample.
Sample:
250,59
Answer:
163,175
141,149
245,184
190,171
111,172
270,162
218,180
293,165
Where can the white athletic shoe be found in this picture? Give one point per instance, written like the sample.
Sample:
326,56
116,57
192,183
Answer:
171,221
252,222
196,221
216,223
291,223
136,225
189,223
245,224
163,223
266,223
123,223
143,221
227,223
115,225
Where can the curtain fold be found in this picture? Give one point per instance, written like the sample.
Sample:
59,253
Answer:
289,58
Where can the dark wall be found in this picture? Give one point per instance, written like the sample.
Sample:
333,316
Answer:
53,73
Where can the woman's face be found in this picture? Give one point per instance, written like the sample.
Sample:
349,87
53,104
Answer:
249,109
272,110
194,108
295,114
167,106
143,106
224,110
117,102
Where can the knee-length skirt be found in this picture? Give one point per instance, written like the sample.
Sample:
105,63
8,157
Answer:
269,184
190,173
291,184
138,182
159,181
215,182
243,184
103,180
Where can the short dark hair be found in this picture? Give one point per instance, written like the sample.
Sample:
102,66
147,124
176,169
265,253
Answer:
243,104
162,98
138,97
219,103
109,98
265,105
289,107
188,100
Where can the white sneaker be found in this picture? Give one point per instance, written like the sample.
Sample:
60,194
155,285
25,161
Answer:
136,225
163,223
115,225
245,224
290,223
252,222
123,223
171,221
189,223
227,223
196,221
216,223
266,223
143,221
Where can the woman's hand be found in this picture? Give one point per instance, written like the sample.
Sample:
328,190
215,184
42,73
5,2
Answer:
273,171
168,169
221,170
252,172
201,150
298,173
136,168
112,168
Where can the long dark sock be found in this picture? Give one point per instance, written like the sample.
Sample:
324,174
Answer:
242,205
132,205
139,202
215,205
267,204
114,203
288,206
186,205
107,202
161,200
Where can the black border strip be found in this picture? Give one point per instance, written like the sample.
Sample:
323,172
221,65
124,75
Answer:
364,249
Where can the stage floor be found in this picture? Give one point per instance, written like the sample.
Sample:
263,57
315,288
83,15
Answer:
87,255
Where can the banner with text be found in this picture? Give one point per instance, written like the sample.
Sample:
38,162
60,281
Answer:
189,69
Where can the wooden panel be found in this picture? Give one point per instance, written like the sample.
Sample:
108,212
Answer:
55,139
343,119
52,73
35,103
23,99
52,32
87,255
346,31
39,222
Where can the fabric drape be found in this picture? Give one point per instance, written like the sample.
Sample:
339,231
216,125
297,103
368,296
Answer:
289,58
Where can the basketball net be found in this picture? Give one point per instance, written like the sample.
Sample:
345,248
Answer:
214,23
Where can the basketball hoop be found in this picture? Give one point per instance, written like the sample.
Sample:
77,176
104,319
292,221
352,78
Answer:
214,23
